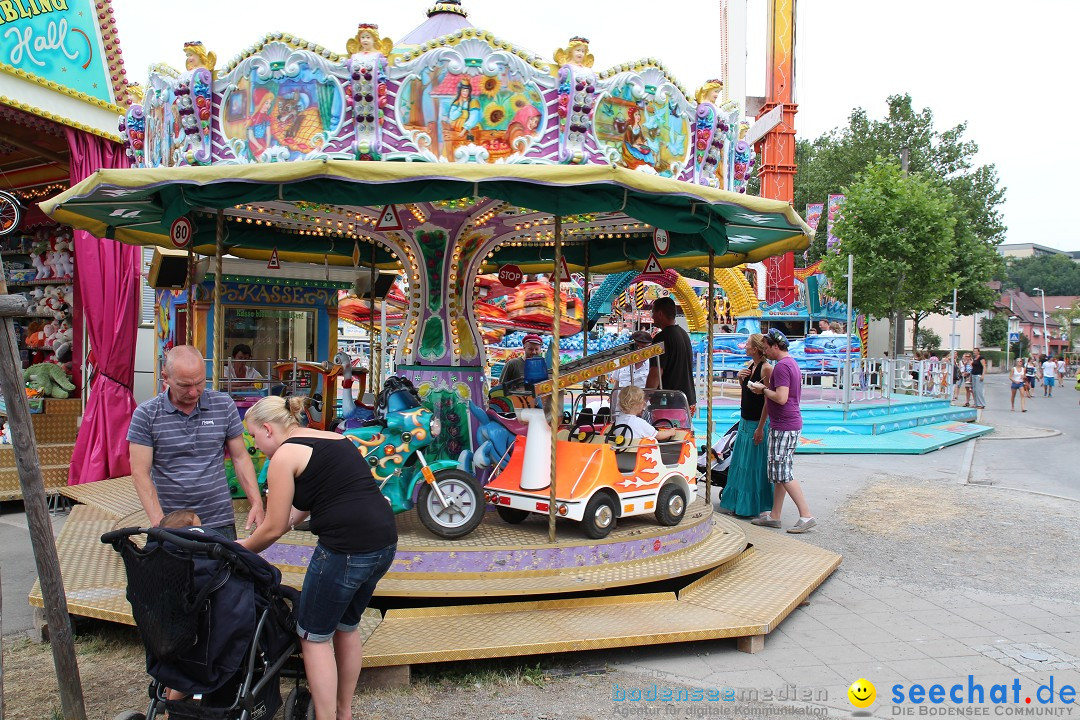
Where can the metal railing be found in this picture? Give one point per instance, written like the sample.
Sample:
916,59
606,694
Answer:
869,378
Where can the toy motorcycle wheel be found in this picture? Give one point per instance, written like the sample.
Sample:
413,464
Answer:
512,515
11,213
599,518
465,509
670,505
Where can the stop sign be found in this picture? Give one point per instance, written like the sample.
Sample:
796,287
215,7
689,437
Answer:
510,275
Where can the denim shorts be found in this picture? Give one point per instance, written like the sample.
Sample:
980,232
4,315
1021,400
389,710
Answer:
337,590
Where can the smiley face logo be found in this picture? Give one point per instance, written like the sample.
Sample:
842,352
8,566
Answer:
862,693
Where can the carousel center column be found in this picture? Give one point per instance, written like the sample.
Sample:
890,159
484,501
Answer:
441,350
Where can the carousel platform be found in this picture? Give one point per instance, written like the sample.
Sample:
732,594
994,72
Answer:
902,425
504,590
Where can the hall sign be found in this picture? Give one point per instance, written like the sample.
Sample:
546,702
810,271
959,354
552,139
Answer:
58,41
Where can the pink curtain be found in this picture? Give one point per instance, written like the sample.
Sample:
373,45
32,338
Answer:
107,301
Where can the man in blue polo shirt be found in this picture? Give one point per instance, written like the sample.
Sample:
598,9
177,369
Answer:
176,443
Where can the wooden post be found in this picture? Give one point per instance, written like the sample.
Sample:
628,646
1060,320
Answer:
555,402
219,309
37,512
710,312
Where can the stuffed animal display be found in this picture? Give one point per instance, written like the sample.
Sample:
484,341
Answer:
49,378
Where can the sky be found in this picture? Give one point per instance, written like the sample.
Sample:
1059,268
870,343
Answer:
1001,67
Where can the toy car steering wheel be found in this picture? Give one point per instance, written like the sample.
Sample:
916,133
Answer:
663,424
621,436
583,432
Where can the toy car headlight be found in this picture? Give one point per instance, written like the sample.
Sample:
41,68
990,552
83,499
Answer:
435,427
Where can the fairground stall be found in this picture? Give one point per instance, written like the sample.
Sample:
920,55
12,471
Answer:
447,155
62,83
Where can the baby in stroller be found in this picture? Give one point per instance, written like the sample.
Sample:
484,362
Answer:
216,623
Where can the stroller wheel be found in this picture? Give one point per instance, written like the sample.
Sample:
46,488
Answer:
130,715
298,705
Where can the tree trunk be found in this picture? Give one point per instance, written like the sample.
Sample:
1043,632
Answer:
915,319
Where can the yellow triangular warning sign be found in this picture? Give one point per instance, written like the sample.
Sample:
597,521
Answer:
389,220
273,263
653,266
564,271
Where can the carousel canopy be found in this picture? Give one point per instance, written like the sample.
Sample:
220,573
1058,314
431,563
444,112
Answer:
316,211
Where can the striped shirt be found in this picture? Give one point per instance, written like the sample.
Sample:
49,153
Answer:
188,469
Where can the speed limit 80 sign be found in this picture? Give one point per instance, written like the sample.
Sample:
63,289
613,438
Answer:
181,232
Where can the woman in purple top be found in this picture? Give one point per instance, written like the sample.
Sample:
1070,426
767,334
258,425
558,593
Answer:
782,397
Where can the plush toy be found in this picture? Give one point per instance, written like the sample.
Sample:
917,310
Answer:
48,378
35,335
50,331
64,247
62,340
39,265
55,301
36,300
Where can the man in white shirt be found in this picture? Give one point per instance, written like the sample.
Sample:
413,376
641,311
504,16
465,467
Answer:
1049,369
238,370
637,373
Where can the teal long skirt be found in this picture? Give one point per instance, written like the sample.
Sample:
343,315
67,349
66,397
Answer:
748,491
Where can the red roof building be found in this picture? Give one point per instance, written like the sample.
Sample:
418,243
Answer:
1028,309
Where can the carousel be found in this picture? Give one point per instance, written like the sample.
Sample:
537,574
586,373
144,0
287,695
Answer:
444,157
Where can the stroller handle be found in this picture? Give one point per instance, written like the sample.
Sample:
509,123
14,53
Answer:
213,550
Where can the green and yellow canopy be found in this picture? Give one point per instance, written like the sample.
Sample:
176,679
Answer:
316,211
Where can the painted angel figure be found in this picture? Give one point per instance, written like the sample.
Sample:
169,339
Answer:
575,53
197,56
710,92
367,41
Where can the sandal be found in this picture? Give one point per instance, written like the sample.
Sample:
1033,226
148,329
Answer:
967,404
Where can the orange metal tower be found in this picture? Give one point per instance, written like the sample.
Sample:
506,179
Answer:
777,148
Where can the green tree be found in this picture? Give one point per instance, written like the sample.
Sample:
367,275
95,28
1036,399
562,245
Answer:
1069,320
994,330
927,339
900,231
1055,274
835,159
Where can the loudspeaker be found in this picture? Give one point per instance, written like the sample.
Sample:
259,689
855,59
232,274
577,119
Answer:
169,269
383,282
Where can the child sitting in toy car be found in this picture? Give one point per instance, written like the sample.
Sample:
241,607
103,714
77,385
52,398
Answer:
631,405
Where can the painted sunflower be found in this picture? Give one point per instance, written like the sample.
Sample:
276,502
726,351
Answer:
490,86
518,101
494,115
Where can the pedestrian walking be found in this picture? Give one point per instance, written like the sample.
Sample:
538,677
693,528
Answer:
782,396
1049,373
748,491
965,373
977,369
1031,374
1018,381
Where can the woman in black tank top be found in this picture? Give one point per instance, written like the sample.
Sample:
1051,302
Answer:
323,474
747,491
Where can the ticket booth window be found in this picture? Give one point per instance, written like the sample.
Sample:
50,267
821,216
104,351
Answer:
272,334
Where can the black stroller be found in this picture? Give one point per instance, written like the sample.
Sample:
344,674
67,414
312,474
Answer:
217,625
